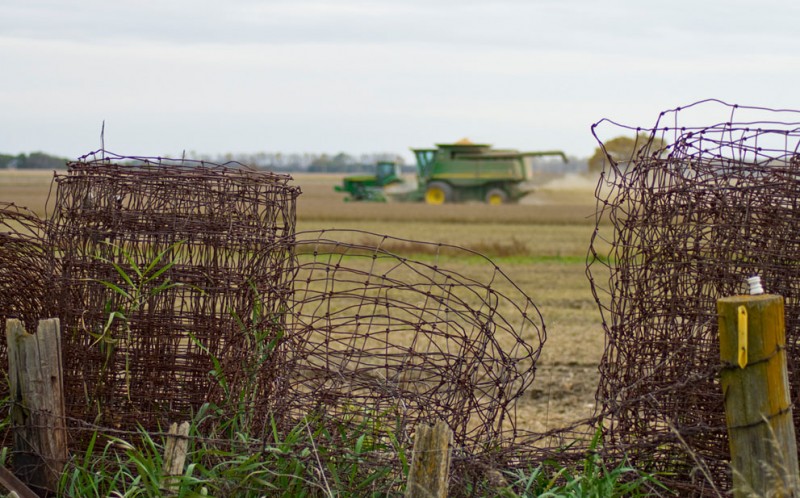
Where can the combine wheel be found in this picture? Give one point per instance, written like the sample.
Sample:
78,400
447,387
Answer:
438,193
496,196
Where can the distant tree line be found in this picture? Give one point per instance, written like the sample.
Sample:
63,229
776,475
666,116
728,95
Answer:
624,149
293,162
272,161
309,162
34,160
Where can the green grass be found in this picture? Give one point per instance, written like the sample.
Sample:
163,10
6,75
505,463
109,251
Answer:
307,460
310,460
592,477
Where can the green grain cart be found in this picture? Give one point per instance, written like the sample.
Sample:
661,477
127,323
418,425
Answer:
465,171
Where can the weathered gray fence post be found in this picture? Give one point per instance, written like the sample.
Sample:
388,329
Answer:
175,455
430,465
758,408
37,410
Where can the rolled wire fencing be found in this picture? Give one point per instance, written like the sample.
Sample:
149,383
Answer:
387,329
374,330
681,222
166,270
24,279
183,284
23,265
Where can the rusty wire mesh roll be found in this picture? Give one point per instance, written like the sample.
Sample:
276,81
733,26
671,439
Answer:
180,283
24,278
407,340
682,222
24,275
196,261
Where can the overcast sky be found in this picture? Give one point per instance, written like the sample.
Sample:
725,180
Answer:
375,76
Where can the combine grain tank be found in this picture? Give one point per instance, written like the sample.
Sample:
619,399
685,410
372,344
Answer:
465,171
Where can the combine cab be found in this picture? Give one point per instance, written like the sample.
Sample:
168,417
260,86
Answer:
370,187
465,171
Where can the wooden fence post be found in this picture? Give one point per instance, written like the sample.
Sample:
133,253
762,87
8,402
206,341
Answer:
37,410
755,384
430,464
175,455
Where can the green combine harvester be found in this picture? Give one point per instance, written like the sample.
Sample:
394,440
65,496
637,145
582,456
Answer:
458,172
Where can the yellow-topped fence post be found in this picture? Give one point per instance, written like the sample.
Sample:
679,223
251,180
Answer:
755,384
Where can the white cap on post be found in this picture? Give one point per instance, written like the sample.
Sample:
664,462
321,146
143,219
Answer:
755,285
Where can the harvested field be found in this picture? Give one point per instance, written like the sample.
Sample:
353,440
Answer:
540,243
26,188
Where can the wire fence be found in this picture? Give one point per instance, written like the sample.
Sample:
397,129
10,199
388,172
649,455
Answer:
163,269
688,216
23,266
381,333
24,272
183,285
